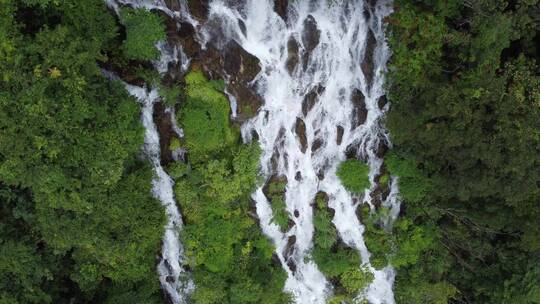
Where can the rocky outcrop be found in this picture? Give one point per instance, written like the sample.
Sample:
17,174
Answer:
292,55
339,137
280,6
367,63
300,130
360,112
166,132
240,68
311,98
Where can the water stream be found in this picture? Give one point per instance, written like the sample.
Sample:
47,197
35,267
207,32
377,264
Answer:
333,38
322,68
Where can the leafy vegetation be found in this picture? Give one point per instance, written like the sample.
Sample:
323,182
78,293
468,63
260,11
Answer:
336,260
354,175
79,223
230,258
463,84
143,30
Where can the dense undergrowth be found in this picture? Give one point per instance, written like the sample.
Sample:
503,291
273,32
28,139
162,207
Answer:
230,257
78,222
464,87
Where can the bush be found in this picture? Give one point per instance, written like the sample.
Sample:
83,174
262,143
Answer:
143,30
354,175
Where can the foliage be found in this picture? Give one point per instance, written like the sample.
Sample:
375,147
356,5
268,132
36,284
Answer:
230,258
78,220
354,175
143,30
335,259
205,117
463,83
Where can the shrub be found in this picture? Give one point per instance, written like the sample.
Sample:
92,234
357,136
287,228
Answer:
354,175
143,30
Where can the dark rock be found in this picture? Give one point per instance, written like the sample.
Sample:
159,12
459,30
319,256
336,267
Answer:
166,132
240,67
311,98
275,179
296,213
339,138
298,176
275,260
320,174
292,55
198,9
382,102
289,248
170,279
316,144
292,265
280,6
300,130
382,148
242,26
359,112
367,63
311,34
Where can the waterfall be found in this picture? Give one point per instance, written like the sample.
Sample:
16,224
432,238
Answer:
322,67
174,278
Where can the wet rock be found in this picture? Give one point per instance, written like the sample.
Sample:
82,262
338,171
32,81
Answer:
320,174
300,130
292,55
311,98
367,63
240,64
292,265
280,6
298,176
296,213
316,145
382,102
339,137
275,186
382,148
240,68
198,9
311,34
289,248
359,112
275,260
166,132
242,26
170,279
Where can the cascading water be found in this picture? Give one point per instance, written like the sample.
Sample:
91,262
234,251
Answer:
340,61
175,280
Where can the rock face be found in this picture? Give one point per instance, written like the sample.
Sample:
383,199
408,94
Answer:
311,98
166,132
292,55
360,112
367,62
280,6
339,137
300,130
311,34
240,68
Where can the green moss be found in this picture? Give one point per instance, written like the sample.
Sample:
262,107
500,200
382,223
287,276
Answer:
354,175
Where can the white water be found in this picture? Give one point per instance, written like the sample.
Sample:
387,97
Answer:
334,64
175,280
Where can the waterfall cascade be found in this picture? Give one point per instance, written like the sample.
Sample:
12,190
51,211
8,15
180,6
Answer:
322,67
175,280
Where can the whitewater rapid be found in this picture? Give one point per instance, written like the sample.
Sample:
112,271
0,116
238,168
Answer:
333,38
